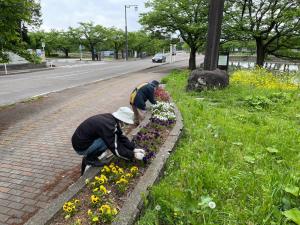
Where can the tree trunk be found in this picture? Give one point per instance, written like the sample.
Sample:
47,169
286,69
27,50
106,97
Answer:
260,52
92,51
116,54
93,55
192,60
67,53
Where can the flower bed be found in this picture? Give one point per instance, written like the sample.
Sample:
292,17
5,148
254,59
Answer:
103,197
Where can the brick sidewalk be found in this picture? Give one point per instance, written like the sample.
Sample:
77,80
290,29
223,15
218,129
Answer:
37,159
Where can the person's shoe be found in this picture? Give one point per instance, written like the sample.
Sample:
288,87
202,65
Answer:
103,155
93,162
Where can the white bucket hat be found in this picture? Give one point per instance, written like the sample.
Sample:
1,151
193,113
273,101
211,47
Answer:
124,114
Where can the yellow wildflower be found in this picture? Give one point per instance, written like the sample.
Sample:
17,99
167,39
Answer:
261,78
111,165
89,212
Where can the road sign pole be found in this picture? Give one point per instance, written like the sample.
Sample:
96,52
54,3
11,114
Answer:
80,49
170,53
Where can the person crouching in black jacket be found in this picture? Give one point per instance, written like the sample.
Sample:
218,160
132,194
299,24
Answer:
139,97
101,132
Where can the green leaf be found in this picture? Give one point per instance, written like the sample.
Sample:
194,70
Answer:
249,159
237,143
272,150
292,190
293,214
259,172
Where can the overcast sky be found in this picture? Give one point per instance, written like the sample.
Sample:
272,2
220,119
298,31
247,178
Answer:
61,14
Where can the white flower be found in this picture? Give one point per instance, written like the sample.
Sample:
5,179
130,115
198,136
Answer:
157,208
163,111
212,205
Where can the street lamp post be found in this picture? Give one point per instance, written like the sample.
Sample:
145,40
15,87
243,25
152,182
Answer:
126,33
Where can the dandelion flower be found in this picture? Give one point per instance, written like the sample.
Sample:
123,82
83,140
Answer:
212,205
157,208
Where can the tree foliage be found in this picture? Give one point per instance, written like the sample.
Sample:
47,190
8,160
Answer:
271,23
91,36
188,17
15,15
115,40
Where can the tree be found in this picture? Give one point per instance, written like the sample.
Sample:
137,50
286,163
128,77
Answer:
188,17
271,23
62,41
91,36
116,40
138,41
15,16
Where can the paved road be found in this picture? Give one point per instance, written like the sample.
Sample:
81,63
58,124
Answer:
15,88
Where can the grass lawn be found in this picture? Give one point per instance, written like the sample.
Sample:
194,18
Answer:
239,150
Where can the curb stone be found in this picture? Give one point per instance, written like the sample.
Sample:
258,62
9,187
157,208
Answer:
133,205
15,72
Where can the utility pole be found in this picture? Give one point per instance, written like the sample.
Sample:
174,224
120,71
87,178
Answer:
214,32
126,32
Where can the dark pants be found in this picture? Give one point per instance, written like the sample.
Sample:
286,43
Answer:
95,150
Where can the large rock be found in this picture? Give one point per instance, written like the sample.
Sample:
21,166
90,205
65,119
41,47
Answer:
200,80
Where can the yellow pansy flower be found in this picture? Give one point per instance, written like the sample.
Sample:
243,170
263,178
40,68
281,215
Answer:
103,189
128,175
122,181
134,169
105,169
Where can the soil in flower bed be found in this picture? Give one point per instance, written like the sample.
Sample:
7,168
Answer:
150,138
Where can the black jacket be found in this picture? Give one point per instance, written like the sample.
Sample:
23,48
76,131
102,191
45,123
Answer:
143,94
106,127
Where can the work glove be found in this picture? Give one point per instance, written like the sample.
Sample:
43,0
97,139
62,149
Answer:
139,153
